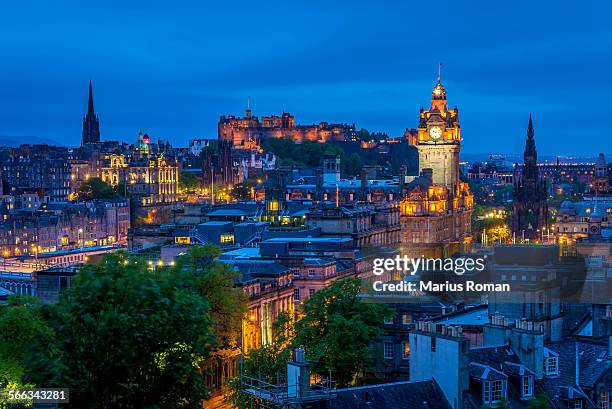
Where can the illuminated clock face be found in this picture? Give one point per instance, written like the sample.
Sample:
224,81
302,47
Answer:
435,133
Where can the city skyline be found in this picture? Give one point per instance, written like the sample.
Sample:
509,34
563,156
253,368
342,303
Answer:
174,71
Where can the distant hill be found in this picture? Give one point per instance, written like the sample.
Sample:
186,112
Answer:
14,141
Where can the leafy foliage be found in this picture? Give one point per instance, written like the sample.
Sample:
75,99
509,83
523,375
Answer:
539,402
215,282
189,182
352,157
95,188
21,322
337,328
127,337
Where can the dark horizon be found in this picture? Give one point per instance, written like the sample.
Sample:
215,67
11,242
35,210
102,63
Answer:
173,70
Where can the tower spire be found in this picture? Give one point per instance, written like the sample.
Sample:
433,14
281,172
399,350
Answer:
531,155
248,110
530,131
91,125
439,72
90,104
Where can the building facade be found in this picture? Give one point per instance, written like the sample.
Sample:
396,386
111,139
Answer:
436,207
250,130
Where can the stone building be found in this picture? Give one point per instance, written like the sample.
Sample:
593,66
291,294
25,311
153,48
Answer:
248,131
530,208
91,123
367,225
436,206
152,178
62,226
36,170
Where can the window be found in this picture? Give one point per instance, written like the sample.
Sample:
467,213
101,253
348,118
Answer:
604,399
388,320
296,294
405,350
406,318
311,292
64,282
551,365
296,272
493,391
577,404
388,350
311,273
527,386
496,390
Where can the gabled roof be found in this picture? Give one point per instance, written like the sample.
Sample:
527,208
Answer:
494,356
593,364
485,373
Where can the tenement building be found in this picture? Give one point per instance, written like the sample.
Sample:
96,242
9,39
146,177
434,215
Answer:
37,169
437,206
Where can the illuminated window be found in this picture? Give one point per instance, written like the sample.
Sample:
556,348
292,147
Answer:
227,238
296,294
405,350
406,318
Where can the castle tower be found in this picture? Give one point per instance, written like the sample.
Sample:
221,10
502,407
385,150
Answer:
530,208
439,140
91,124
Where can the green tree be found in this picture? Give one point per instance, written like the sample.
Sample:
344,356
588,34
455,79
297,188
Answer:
242,191
539,402
127,337
21,323
95,188
216,282
189,182
336,329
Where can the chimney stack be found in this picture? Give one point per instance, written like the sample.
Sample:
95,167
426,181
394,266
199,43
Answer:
298,375
527,341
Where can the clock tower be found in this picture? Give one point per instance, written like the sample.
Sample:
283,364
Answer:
439,140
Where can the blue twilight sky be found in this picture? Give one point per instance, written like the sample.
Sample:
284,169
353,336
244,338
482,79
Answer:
171,68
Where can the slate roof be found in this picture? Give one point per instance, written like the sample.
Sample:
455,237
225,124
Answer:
494,356
404,395
593,364
256,268
493,359
485,372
